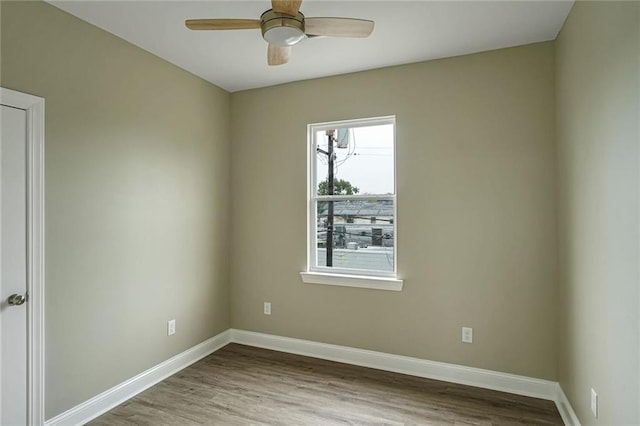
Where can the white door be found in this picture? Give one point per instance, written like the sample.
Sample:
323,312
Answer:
13,266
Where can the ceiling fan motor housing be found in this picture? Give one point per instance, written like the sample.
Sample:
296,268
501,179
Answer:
281,29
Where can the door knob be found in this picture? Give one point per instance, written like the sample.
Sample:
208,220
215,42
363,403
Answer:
16,299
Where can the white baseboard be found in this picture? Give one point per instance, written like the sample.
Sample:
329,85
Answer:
511,383
487,379
109,399
566,410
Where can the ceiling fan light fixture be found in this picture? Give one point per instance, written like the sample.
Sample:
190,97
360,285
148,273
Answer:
284,26
282,30
283,36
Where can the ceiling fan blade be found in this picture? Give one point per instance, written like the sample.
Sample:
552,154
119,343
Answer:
290,7
338,27
222,24
278,55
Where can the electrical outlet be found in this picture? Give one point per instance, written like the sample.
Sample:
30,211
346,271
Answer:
171,327
467,334
594,403
267,308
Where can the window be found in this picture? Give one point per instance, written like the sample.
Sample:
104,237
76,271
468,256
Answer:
352,204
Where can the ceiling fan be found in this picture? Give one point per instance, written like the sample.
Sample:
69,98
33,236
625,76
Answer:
284,25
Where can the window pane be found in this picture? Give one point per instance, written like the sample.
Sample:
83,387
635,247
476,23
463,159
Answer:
361,158
361,236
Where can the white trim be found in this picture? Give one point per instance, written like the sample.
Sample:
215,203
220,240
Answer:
511,383
34,107
519,385
566,410
355,122
109,399
355,197
312,218
20,100
360,281
487,379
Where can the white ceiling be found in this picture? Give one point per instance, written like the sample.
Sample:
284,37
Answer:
405,32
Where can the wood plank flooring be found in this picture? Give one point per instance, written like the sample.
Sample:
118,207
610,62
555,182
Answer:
242,385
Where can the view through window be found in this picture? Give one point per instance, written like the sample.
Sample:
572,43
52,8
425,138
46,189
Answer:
352,197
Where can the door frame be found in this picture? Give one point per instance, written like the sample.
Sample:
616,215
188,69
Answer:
34,106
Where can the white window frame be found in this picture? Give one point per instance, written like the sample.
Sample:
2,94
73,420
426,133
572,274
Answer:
380,280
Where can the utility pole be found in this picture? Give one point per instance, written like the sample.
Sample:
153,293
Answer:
330,139
330,161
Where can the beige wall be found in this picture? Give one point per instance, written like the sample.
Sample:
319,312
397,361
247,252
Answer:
598,81
139,170
137,190
476,211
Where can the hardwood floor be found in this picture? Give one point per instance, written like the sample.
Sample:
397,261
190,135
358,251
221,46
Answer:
242,385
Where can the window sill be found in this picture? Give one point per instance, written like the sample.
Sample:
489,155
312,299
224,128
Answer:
361,281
